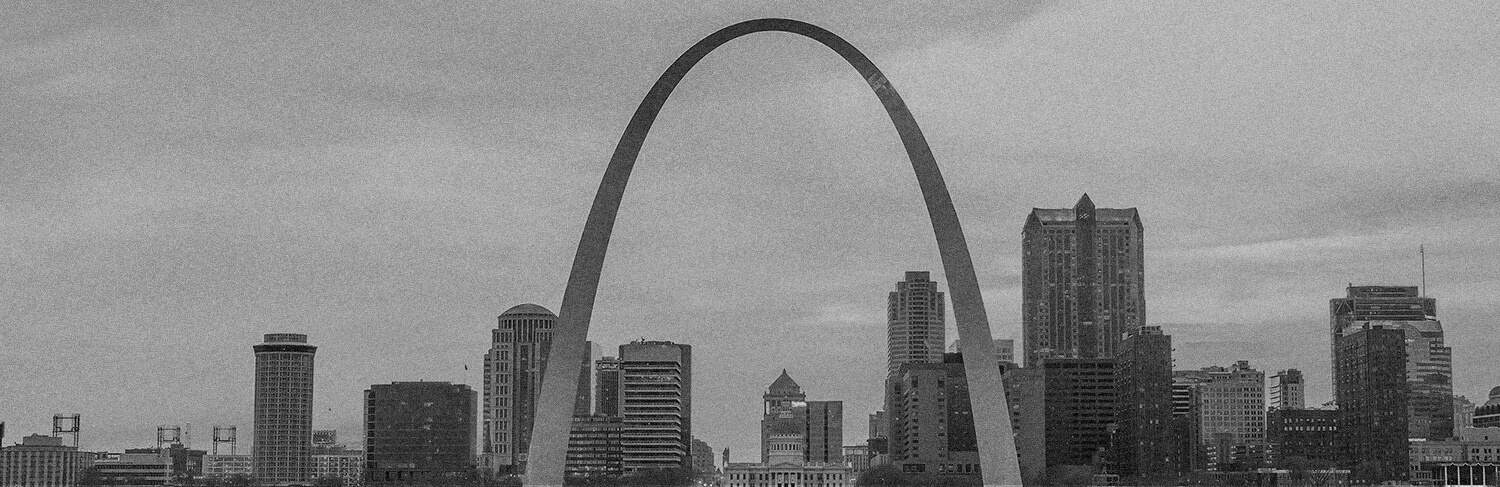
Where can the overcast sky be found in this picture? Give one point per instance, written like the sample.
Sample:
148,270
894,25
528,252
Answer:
178,179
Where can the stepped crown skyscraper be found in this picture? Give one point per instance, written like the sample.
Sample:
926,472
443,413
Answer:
1429,363
914,322
1083,280
283,409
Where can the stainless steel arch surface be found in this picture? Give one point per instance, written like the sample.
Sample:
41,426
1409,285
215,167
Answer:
549,441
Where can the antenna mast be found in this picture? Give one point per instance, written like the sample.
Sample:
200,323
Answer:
1422,250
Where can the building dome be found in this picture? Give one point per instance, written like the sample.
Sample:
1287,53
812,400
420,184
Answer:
1495,393
527,309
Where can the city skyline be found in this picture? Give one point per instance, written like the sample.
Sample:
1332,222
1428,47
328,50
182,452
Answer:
147,256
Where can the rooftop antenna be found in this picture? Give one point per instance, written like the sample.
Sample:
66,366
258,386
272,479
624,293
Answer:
224,434
168,434
66,424
1422,250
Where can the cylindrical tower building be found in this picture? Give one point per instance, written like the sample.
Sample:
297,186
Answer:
282,452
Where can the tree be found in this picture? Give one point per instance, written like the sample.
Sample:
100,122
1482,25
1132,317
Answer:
1070,475
882,476
328,481
237,480
666,477
1369,472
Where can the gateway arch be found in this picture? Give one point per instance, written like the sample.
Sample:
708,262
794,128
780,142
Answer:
549,439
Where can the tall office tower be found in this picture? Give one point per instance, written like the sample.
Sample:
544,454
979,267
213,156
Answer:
931,419
1080,395
1429,380
1143,445
880,425
1429,367
513,369
1026,395
585,403
1186,416
656,397
419,432
878,444
1308,434
914,322
1232,406
1463,413
821,423
1005,351
594,449
824,428
1375,303
785,409
1286,390
283,409
1370,382
607,386
1082,280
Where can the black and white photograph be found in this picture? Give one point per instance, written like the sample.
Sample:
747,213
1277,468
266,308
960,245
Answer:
749,243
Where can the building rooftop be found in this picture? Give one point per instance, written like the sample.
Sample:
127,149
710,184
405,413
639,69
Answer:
785,383
527,309
285,338
1055,216
1065,215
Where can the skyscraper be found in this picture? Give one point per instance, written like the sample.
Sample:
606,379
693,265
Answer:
914,322
594,449
825,432
1083,280
283,409
1429,363
1143,445
1370,382
513,369
1232,402
785,409
1375,303
821,423
607,386
931,419
419,431
657,404
1286,390
1081,410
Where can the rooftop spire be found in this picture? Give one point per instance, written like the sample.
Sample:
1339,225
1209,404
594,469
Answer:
785,383
1084,203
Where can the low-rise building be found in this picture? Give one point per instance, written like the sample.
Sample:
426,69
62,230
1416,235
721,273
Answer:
348,465
1488,415
857,458
136,467
42,461
786,468
1476,452
1308,434
419,432
220,466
